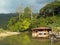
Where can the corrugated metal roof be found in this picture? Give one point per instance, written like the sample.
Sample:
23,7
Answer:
42,28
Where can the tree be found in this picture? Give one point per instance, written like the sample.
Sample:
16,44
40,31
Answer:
20,11
51,9
28,12
23,23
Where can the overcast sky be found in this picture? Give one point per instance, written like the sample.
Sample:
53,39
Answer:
10,6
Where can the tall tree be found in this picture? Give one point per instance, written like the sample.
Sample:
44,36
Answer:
23,23
28,12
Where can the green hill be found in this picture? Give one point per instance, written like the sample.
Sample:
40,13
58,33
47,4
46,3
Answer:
4,18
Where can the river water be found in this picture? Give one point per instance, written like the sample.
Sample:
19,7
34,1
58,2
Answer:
23,39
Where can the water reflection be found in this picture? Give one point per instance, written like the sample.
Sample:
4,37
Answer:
22,39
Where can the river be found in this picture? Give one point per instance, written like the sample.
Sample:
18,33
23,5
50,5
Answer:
23,39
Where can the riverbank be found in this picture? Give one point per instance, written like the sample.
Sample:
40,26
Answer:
7,33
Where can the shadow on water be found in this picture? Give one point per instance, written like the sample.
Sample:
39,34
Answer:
22,39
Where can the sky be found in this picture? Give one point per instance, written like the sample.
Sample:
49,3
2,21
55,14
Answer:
11,6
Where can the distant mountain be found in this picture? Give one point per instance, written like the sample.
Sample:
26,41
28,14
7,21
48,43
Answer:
4,18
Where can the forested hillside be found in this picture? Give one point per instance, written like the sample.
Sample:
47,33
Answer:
4,18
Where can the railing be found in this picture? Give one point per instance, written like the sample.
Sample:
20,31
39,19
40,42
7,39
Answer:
54,37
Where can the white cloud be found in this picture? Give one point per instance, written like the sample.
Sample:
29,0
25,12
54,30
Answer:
4,11
3,4
7,6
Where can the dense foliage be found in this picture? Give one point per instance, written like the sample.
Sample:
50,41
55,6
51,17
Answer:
51,9
22,22
28,20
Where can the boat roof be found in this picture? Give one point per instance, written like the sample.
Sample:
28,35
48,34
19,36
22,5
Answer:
42,28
